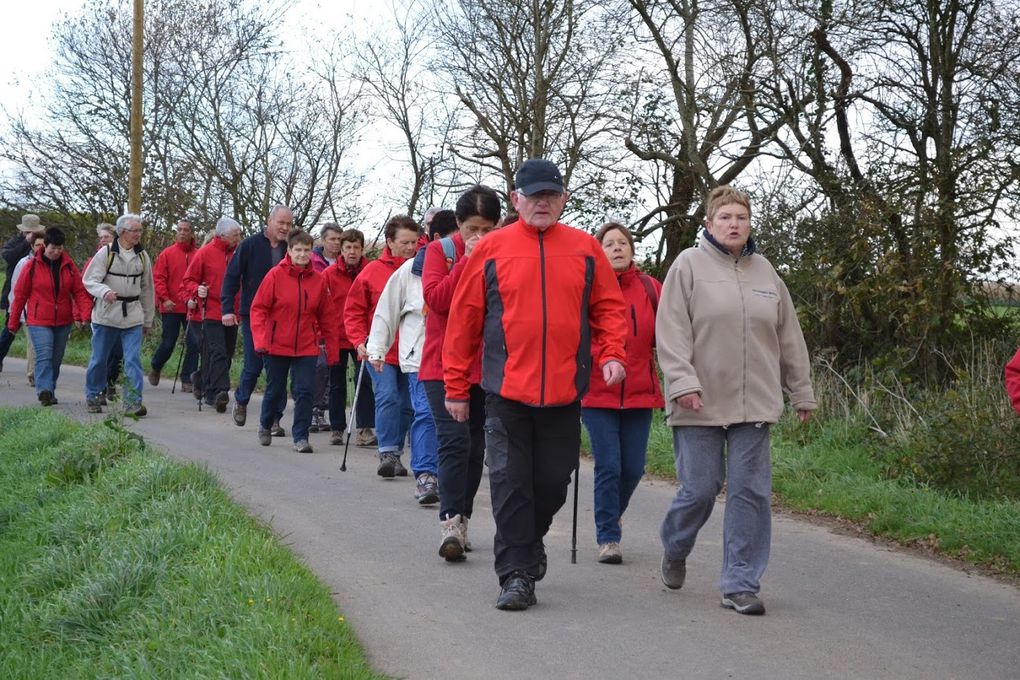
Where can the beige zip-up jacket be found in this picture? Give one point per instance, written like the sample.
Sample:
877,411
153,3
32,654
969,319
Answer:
727,329
130,276
399,314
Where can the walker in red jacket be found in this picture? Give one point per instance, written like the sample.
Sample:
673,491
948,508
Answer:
291,315
167,274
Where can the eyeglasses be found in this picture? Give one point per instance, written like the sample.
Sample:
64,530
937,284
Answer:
134,231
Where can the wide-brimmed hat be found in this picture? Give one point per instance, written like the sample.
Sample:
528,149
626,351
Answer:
538,174
31,223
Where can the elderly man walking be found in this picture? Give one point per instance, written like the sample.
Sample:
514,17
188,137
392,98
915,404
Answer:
538,296
119,277
17,247
167,274
253,259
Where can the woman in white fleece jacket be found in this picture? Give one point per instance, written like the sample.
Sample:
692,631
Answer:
730,345
399,314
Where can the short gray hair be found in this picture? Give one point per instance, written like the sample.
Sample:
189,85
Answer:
226,225
105,226
277,208
124,220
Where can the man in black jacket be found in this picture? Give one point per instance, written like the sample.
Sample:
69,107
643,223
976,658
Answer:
252,260
17,247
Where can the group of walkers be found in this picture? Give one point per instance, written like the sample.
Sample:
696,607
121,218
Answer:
486,339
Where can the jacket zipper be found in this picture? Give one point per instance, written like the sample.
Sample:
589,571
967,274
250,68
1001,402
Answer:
743,309
297,327
545,319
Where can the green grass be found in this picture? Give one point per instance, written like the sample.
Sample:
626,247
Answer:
827,467
117,562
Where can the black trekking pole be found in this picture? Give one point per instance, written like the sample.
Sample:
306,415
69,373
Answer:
573,539
354,411
203,355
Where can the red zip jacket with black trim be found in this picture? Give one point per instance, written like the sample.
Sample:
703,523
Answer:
35,294
364,296
640,389
339,279
439,281
538,302
293,312
168,274
208,266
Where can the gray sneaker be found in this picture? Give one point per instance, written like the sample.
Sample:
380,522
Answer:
93,405
452,546
366,437
743,603
426,490
240,414
303,446
673,572
398,468
265,437
609,553
387,465
277,430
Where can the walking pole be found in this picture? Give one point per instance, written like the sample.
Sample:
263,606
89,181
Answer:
184,349
203,355
354,411
573,540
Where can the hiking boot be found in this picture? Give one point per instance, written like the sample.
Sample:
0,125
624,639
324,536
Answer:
518,593
319,423
101,399
387,465
185,387
196,384
265,437
452,546
543,566
426,490
277,430
154,377
303,446
366,437
463,530
93,405
743,603
336,438
240,414
136,411
609,553
398,468
111,392
222,399
673,572
46,398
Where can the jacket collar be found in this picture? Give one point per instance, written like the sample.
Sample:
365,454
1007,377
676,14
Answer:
297,272
707,238
222,244
186,247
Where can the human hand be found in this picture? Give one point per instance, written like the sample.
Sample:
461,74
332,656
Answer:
192,304
377,364
146,330
470,244
229,320
458,410
690,402
362,352
169,305
803,415
613,373
203,291
109,296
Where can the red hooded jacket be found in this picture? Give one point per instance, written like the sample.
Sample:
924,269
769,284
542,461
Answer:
439,278
1012,380
46,306
540,301
339,279
168,274
640,389
364,295
208,266
293,312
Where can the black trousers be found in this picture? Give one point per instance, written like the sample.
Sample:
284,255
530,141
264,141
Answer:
217,355
364,410
531,453
461,450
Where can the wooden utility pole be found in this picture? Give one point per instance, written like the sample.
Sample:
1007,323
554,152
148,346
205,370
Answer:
135,173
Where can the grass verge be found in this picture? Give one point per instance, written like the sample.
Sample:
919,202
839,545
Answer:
117,562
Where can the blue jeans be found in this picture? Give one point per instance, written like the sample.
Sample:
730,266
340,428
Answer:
173,324
302,374
619,441
705,457
253,366
392,408
49,343
104,339
424,447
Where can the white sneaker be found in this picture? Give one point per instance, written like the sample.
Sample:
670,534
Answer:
452,546
609,553
366,437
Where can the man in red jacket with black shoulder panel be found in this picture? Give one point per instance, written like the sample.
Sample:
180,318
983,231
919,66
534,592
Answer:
167,275
535,294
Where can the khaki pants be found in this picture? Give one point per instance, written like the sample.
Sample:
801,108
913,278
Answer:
29,355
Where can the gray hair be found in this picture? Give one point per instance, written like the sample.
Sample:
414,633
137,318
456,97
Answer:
277,208
225,225
124,220
105,226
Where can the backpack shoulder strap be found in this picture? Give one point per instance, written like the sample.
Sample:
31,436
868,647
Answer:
449,250
653,295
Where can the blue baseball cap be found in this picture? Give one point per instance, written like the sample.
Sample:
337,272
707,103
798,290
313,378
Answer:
538,174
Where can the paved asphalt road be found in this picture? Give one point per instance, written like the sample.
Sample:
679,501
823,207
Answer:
838,606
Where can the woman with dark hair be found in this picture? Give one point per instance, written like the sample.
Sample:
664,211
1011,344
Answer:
461,445
619,418
291,315
393,410
50,292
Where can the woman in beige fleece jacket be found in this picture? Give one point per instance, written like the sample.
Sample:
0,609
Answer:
730,346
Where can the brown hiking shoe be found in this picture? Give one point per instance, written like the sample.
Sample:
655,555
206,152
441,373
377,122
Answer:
154,377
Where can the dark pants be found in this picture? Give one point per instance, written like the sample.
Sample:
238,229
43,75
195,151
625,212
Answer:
302,376
364,410
531,452
320,393
173,324
461,450
113,364
253,366
218,354
6,338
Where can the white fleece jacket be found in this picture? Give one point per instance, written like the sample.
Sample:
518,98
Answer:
399,315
